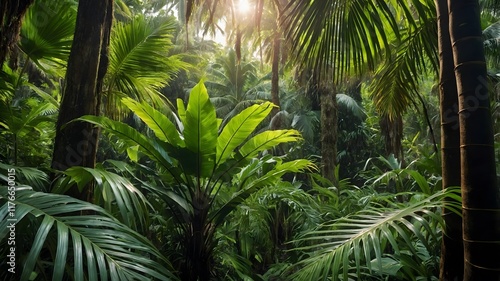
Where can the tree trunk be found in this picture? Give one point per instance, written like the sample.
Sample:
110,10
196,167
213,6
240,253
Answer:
480,193
11,15
392,131
275,78
76,143
452,257
329,124
198,243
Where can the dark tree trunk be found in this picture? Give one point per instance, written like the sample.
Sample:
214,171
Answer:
480,193
11,15
76,143
452,257
328,102
198,243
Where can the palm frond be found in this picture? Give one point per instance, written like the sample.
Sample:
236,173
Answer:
337,249
98,241
116,193
26,175
47,32
395,86
139,63
491,36
340,34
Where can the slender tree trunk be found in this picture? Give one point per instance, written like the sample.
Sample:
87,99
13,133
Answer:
392,130
275,80
328,102
11,15
480,193
76,143
452,257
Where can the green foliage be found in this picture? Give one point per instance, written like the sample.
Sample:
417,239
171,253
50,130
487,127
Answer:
96,246
395,87
196,161
359,244
139,62
47,33
231,84
23,121
115,193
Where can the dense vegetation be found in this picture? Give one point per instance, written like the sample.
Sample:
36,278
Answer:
304,147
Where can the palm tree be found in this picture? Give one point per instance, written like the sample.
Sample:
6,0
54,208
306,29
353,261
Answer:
452,257
230,82
394,88
327,43
480,193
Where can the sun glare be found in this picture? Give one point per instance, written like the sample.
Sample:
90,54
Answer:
243,6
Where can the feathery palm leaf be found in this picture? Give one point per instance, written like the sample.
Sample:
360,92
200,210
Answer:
117,194
99,241
395,86
139,64
342,246
345,35
27,175
335,33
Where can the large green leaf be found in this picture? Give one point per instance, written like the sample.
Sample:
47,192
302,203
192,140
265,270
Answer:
163,128
200,131
268,140
108,248
150,147
239,128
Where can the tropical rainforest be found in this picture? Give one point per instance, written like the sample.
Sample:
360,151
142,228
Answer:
249,140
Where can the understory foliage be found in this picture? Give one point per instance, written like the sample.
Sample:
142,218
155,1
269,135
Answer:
199,198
